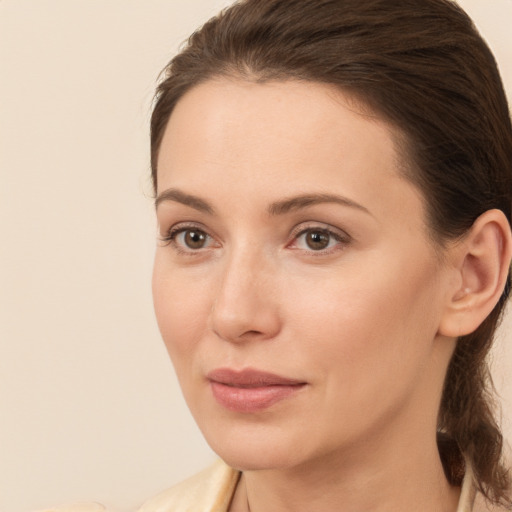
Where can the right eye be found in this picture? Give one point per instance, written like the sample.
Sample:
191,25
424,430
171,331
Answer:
188,239
192,238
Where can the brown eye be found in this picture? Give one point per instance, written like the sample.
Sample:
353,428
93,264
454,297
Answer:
194,239
321,240
317,240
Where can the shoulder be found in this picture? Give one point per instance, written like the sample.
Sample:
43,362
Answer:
210,490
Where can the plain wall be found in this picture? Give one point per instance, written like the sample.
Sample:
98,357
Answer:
90,408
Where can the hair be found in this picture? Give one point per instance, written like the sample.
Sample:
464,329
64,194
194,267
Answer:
421,66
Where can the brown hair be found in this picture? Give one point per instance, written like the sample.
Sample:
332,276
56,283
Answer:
422,66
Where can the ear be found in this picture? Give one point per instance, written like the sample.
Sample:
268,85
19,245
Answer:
481,262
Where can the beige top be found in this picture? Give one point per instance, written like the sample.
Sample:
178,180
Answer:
212,491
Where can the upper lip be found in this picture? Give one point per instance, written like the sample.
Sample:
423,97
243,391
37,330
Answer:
249,378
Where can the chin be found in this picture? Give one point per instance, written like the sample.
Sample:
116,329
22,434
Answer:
255,449
256,459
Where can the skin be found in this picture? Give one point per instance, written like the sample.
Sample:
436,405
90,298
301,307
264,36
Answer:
358,321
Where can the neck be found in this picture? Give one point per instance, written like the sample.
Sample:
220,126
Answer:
388,475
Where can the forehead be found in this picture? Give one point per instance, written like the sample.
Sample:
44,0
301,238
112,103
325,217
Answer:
225,116
279,137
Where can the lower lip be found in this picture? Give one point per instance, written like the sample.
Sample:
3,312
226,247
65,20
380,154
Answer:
251,399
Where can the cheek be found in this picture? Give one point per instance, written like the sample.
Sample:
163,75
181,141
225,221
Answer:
182,305
367,343
367,325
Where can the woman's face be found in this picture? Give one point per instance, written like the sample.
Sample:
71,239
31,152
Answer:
295,286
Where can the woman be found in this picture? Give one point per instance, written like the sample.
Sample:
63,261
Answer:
333,194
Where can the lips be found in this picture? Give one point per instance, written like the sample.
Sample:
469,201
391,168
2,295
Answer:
250,390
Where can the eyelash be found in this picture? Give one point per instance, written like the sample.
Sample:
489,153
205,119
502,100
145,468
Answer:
170,238
342,238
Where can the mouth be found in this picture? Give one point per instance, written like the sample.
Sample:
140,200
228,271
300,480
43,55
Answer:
250,390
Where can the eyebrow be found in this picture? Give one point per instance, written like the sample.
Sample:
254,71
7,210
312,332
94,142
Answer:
276,208
305,200
173,194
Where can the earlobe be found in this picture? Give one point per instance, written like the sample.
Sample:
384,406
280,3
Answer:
482,261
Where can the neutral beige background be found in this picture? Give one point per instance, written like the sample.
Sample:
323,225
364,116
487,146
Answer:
89,405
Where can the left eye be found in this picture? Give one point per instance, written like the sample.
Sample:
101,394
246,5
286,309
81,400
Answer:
316,239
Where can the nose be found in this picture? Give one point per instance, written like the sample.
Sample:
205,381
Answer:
245,304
